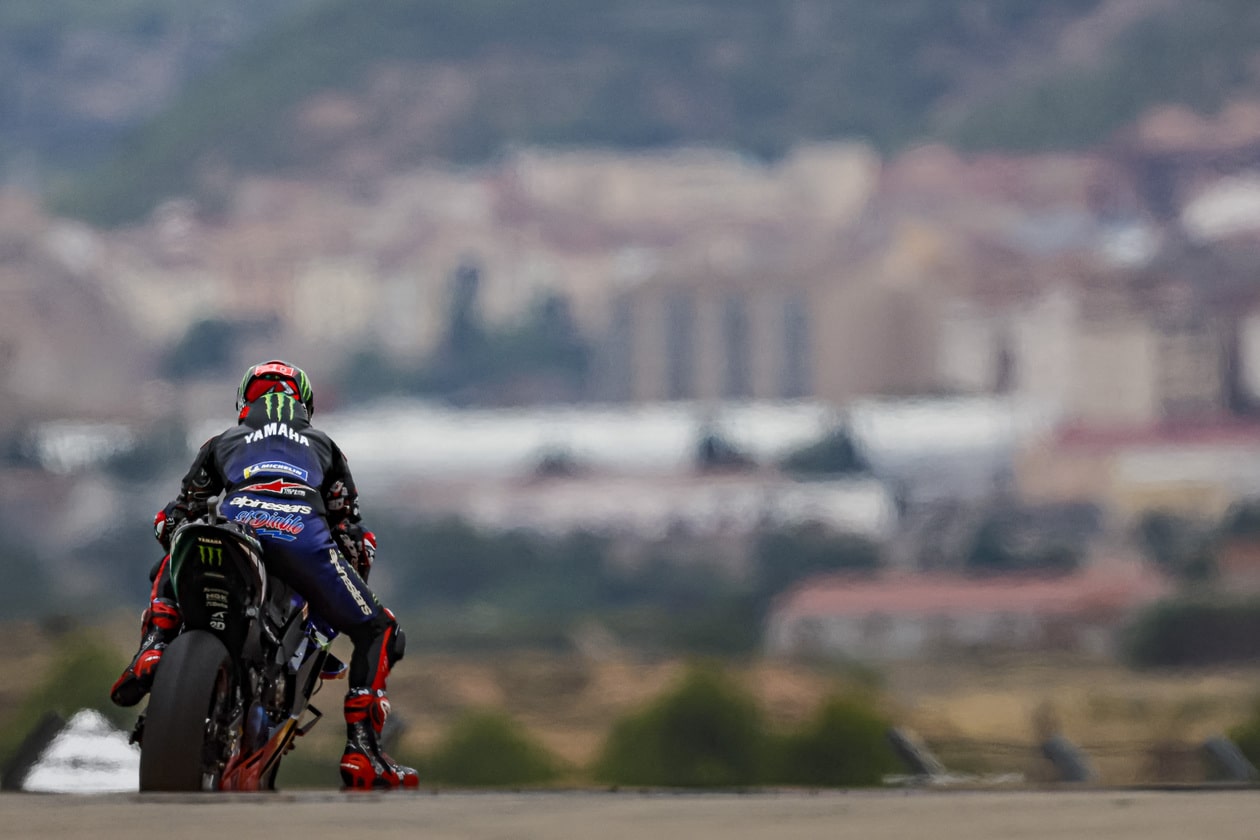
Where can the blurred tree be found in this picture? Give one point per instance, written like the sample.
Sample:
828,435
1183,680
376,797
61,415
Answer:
524,587
1007,540
543,357
706,732
836,453
845,744
208,347
784,556
486,748
204,350
369,373
464,338
1183,547
1242,519
1195,632
27,591
715,452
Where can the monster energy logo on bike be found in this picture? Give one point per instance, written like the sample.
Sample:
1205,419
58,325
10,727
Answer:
210,555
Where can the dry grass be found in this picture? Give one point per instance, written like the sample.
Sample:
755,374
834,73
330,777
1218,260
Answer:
1120,717
1134,726
570,702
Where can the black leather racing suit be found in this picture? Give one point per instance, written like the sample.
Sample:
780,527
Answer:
290,482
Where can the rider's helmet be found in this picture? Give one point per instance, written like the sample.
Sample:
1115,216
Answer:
276,376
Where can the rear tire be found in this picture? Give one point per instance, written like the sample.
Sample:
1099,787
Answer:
191,691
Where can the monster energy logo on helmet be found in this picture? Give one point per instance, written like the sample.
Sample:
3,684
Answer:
276,403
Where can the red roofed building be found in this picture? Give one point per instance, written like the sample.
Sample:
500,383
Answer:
900,617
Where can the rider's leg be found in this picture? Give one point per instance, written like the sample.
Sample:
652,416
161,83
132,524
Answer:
378,644
313,566
158,626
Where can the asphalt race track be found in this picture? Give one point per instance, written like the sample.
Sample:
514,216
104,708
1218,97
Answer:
862,815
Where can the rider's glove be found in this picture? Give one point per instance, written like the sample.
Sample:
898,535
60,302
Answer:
357,544
368,555
164,525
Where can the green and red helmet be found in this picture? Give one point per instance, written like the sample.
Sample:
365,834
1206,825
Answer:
275,376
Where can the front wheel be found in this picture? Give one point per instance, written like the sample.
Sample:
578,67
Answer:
182,745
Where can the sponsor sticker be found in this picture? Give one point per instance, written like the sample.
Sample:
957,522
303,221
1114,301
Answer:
260,504
335,559
284,488
276,468
277,430
281,526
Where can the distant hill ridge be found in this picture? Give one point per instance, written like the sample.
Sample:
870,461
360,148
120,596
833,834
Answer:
357,89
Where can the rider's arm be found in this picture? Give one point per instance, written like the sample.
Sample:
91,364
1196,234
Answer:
341,499
199,485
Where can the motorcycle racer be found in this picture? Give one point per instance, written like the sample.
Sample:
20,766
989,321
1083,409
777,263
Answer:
290,482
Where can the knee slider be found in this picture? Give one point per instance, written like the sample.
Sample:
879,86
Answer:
375,628
397,639
397,646
370,630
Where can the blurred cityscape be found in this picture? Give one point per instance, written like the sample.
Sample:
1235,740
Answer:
852,402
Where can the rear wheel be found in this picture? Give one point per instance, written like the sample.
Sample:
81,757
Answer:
183,743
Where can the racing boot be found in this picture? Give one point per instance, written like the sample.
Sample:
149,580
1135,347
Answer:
159,625
364,765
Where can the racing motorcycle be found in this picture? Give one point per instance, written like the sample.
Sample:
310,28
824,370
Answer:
229,696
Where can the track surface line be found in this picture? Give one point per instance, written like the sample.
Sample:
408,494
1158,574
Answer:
868,815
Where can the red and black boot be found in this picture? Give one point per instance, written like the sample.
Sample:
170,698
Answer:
159,625
364,765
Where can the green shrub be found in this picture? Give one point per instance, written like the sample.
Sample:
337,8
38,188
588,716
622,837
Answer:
489,749
79,678
27,588
1241,520
1183,547
707,732
1247,735
836,453
844,745
1190,632
785,555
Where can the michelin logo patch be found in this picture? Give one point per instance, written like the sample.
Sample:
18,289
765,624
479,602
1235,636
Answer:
276,468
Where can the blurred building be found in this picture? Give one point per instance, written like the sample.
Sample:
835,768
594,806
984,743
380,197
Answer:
1154,382
783,332
1104,358
732,504
906,617
1196,471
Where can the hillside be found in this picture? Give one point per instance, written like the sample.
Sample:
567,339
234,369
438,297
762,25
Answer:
76,74
357,89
